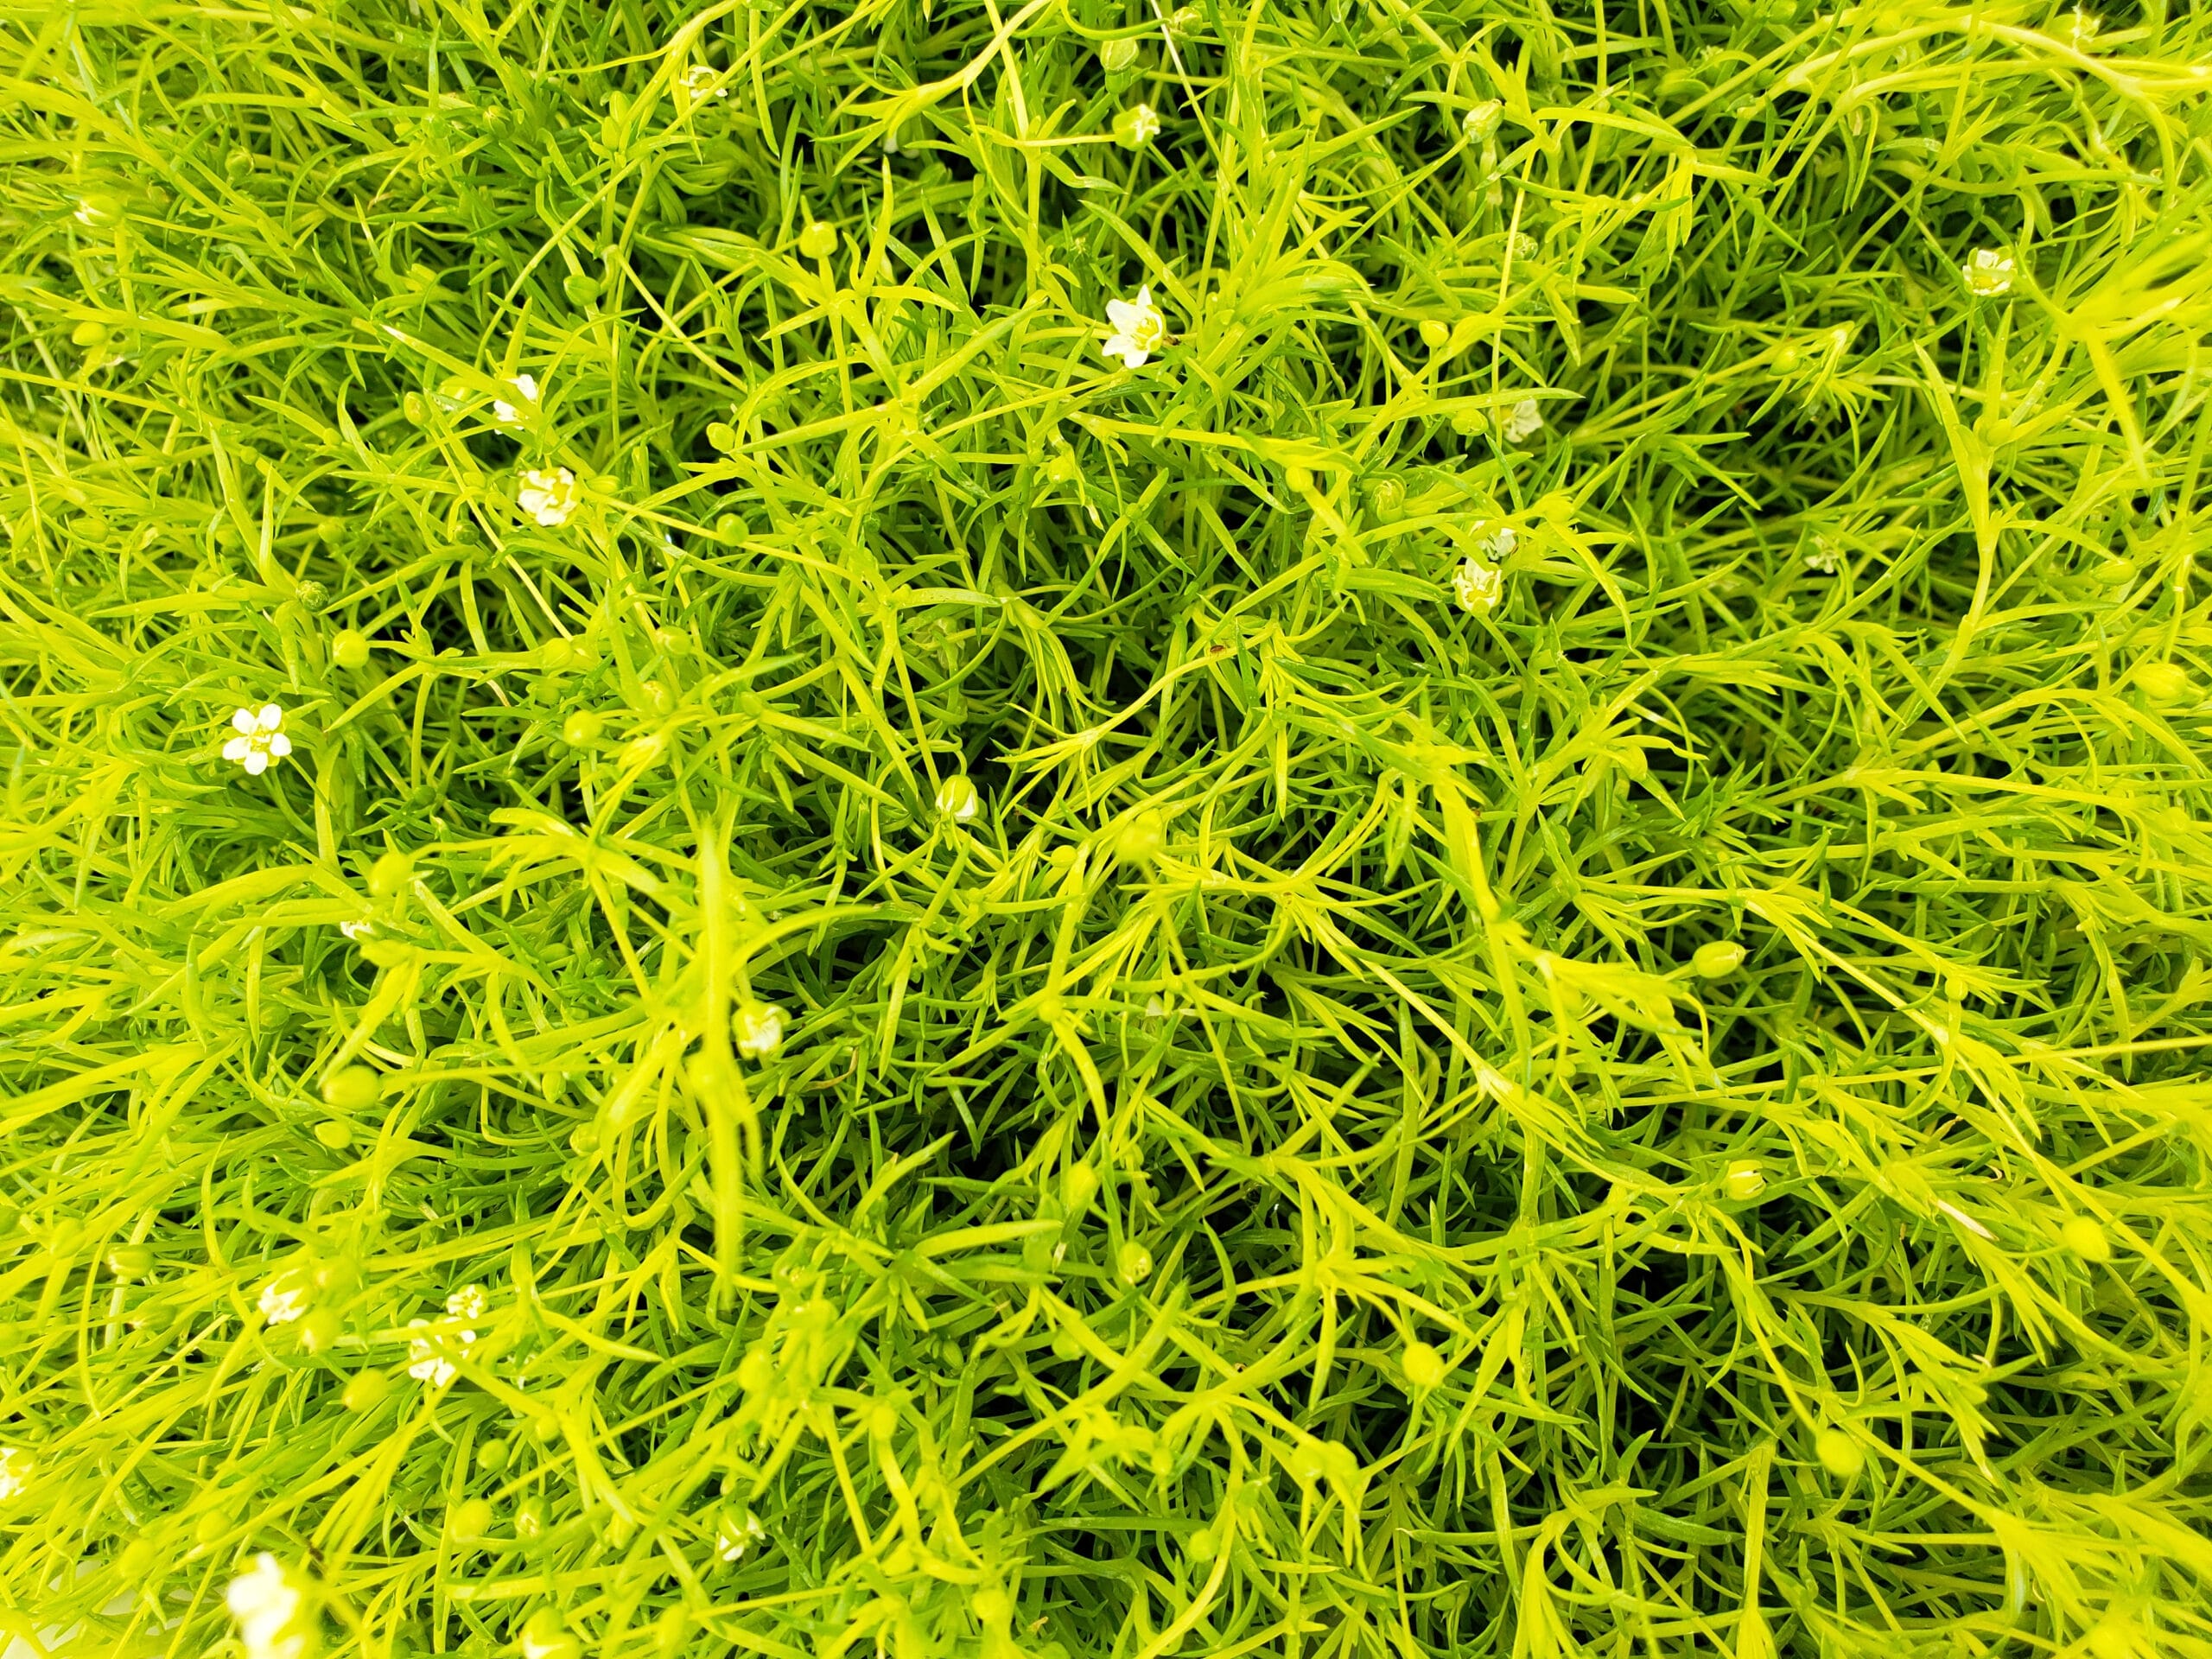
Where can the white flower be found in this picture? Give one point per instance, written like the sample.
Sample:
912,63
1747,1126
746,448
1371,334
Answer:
1140,330
1136,126
1988,273
1523,421
15,1471
734,1537
525,388
759,1029
1822,557
466,1303
548,497
284,1300
260,738
699,82
1500,543
364,928
957,798
427,1356
1477,586
266,1604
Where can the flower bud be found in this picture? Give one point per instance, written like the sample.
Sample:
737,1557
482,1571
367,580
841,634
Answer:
958,799
1424,1367
1840,1454
1743,1181
2164,681
1717,959
351,1088
2084,1236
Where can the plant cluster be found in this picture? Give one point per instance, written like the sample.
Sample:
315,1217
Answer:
1064,830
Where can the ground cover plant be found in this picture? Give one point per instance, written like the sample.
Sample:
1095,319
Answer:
1339,828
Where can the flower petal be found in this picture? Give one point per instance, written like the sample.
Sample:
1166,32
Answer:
1123,315
242,719
236,749
270,718
256,763
280,744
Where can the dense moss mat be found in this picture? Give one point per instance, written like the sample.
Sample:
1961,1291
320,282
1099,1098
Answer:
1508,956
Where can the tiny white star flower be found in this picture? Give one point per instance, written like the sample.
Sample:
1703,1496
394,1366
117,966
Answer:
284,1300
466,1303
260,738
364,928
1477,586
1139,329
1523,421
506,414
734,1537
1988,273
1136,126
759,1029
699,82
267,1605
15,1471
1822,557
427,1356
549,495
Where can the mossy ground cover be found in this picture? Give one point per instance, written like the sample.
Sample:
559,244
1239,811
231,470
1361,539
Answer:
1346,829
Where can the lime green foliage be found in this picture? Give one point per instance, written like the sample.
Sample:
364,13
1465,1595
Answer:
1508,957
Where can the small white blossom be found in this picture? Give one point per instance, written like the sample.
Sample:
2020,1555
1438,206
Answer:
429,1356
759,1029
1139,329
1136,126
466,1303
268,1607
700,82
1988,273
284,1300
734,1537
1822,557
549,495
1523,421
260,738
524,387
363,929
1477,586
15,1471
